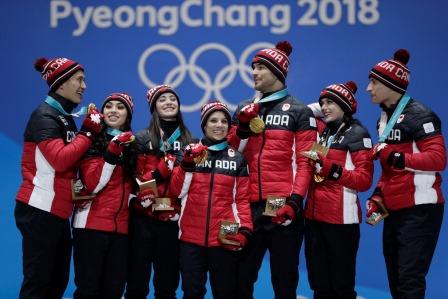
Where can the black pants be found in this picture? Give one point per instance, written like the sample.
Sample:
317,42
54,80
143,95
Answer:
196,261
153,244
409,240
46,247
330,251
283,243
100,260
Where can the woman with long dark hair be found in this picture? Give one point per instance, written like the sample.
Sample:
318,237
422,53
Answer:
100,226
154,241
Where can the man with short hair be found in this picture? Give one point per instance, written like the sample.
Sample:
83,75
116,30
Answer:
50,158
412,153
271,131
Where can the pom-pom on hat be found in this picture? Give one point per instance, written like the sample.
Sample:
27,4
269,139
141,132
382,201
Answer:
343,95
393,72
211,107
275,59
154,93
124,98
56,71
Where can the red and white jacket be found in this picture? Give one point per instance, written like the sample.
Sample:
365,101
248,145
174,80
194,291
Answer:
417,134
51,153
109,209
275,165
215,191
336,201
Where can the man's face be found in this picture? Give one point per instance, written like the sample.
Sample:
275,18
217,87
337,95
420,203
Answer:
264,80
380,93
73,88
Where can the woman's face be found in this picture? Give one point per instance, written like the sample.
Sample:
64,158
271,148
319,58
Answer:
331,110
115,114
167,106
217,126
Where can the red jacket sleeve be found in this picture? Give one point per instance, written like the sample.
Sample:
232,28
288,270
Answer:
360,178
146,164
242,202
63,157
178,178
432,156
304,171
95,173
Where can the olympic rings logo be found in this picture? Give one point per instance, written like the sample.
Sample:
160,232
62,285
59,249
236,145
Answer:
198,74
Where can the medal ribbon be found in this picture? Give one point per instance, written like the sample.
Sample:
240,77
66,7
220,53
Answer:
392,121
275,96
56,105
166,145
113,132
218,147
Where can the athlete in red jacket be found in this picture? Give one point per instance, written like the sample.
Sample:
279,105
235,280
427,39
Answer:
100,226
412,154
212,191
154,243
275,168
332,210
51,152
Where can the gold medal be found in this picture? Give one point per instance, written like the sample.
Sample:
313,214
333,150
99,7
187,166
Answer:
201,159
256,125
91,107
318,178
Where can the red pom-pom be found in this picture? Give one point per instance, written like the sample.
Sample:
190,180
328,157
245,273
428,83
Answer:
284,46
40,63
402,56
352,86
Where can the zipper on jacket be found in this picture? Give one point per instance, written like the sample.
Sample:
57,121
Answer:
209,203
259,167
121,202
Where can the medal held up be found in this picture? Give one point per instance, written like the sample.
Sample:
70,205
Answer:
313,154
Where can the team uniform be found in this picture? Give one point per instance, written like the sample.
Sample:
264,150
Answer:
100,227
333,212
50,158
275,168
154,243
413,197
215,190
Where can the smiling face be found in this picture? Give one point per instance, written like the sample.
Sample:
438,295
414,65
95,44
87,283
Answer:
265,80
73,89
167,106
115,114
330,110
217,126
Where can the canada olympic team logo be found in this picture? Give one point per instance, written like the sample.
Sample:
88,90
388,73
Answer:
212,87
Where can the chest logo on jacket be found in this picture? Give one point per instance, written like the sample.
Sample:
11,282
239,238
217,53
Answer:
70,136
277,120
222,164
394,134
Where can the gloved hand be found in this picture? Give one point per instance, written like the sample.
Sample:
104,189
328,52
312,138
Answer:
371,203
287,213
239,238
325,167
248,112
164,167
192,151
116,145
396,160
168,215
376,149
145,198
92,124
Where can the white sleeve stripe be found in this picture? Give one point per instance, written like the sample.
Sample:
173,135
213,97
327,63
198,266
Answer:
106,173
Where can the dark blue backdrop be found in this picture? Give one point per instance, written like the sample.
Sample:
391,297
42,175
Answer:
203,48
